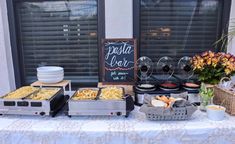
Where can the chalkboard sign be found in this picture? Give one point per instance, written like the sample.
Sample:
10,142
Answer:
118,58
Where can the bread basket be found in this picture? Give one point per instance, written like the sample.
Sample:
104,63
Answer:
166,114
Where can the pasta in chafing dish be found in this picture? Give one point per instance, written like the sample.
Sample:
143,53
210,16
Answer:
85,94
111,93
43,94
21,92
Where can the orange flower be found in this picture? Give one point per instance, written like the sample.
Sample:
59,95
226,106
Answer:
224,59
215,61
231,59
211,54
209,61
228,55
227,71
198,62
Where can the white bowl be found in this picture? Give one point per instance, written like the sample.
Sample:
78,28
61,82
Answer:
50,69
50,73
50,76
215,112
51,80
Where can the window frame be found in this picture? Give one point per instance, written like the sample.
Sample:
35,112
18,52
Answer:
16,48
224,23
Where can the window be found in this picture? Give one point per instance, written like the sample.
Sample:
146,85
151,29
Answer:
60,33
178,28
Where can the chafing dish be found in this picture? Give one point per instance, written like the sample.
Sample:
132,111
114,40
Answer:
104,103
42,101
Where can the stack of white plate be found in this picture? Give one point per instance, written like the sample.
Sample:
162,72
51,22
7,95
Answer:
50,74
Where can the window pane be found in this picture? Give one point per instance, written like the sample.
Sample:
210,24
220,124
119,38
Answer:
178,28
61,33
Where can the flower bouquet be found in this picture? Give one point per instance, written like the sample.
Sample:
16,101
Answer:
211,66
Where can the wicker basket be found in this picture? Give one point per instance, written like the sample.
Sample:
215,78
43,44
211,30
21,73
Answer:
225,98
161,114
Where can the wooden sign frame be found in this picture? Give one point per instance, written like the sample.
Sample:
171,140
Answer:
103,61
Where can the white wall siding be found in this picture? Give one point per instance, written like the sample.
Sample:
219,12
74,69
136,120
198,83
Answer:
7,81
119,18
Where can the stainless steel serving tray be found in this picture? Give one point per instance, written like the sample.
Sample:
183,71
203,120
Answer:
26,106
97,106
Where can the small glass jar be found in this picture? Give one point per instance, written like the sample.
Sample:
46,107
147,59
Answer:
205,101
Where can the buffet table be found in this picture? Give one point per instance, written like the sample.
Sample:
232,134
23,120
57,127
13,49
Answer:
115,130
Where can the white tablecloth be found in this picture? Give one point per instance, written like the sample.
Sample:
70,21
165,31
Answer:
115,130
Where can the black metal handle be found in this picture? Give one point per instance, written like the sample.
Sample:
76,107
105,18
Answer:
129,103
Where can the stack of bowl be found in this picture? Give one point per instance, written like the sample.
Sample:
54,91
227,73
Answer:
50,74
